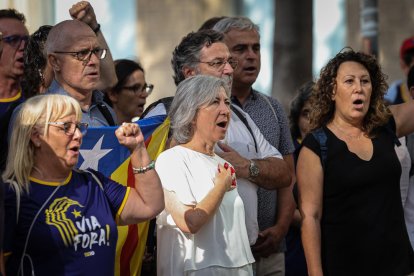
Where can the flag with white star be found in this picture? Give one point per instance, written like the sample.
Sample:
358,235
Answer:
101,151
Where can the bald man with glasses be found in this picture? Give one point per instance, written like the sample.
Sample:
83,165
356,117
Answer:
75,55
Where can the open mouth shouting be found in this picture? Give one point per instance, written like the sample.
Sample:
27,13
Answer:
223,124
20,62
358,104
74,150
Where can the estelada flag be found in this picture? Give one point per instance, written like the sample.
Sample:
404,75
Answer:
101,151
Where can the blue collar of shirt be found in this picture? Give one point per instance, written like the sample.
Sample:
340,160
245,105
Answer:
56,88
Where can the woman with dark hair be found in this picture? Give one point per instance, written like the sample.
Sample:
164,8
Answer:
295,262
128,96
299,113
37,73
349,194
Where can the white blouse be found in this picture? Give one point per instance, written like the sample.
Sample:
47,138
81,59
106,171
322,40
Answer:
222,241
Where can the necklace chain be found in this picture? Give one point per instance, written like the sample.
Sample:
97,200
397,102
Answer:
351,137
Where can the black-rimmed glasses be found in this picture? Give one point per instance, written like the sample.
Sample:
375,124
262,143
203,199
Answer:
219,64
70,127
15,40
147,88
86,54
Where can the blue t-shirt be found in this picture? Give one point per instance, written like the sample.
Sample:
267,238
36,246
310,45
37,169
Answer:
75,232
7,102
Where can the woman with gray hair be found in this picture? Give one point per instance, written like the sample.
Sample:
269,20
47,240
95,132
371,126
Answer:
202,230
62,221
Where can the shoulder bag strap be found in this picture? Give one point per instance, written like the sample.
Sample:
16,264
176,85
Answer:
105,112
243,119
320,136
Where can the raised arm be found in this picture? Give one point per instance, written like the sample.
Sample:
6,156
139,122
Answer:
146,199
190,219
83,11
310,183
403,115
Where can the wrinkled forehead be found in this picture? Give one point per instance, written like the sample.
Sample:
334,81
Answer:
352,68
12,26
77,38
85,43
215,50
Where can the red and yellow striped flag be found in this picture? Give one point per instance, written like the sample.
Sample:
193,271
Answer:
115,164
132,238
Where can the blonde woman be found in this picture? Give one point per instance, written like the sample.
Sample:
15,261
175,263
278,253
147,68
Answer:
60,221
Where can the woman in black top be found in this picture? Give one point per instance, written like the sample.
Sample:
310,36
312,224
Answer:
352,217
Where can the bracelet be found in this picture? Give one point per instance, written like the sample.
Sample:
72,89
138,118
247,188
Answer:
97,29
141,169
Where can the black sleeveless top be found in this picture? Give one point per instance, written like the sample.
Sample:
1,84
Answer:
362,228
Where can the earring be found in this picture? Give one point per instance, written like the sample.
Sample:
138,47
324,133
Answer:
42,78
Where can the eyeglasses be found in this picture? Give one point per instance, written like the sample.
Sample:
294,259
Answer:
15,40
70,127
86,54
147,88
219,64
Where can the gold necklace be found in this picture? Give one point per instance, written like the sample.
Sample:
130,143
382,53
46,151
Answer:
351,137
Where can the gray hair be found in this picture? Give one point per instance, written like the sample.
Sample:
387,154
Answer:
187,53
192,93
237,22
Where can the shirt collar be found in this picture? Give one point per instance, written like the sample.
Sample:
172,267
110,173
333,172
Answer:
56,88
252,97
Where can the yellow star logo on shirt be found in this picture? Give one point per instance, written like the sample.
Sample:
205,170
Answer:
76,213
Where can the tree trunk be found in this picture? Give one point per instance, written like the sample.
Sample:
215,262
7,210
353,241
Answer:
292,52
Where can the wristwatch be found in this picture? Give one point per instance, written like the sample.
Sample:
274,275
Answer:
253,169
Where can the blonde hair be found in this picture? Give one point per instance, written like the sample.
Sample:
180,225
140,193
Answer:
34,115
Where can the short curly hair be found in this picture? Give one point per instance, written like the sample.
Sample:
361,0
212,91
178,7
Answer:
323,107
187,53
